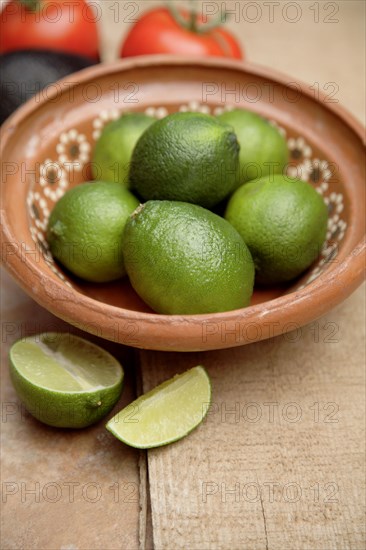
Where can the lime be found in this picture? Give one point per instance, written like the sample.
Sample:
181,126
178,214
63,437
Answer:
183,259
165,414
188,157
85,230
263,150
113,150
63,380
283,221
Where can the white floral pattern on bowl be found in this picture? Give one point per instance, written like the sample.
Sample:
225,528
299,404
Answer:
73,150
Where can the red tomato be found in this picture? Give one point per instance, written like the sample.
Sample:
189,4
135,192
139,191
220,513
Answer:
49,24
157,31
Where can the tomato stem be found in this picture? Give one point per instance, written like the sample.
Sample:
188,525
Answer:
193,18
182,22
214,22
192,24
31,5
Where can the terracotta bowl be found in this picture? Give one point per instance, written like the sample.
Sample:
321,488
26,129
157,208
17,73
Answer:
46,149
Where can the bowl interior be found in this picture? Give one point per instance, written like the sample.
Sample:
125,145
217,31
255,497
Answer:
67,162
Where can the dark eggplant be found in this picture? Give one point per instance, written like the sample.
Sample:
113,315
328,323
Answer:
24,73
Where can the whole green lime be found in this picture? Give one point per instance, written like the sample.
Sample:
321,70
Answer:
183,259
283,221
85,230
63,380
113,150
188,157
263,150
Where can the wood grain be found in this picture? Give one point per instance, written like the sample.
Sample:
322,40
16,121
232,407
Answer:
61,489
279,461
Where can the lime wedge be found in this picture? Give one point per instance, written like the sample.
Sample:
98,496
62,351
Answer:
64,380
165,414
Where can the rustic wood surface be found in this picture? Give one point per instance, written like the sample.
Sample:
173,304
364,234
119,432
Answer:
279,462
61,489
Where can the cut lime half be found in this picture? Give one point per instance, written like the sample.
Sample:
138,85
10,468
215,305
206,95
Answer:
64,380
165,414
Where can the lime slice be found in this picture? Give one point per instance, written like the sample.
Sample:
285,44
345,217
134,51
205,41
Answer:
64,380
165,414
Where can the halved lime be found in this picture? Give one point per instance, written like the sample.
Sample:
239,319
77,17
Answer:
165,414
64,380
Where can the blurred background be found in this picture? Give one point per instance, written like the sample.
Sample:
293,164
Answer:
315,42
321,43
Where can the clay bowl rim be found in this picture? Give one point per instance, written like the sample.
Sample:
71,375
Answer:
329,289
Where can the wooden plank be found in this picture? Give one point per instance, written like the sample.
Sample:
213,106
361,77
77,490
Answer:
64,489
279,461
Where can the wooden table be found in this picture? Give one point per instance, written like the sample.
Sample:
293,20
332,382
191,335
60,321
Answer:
279,462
